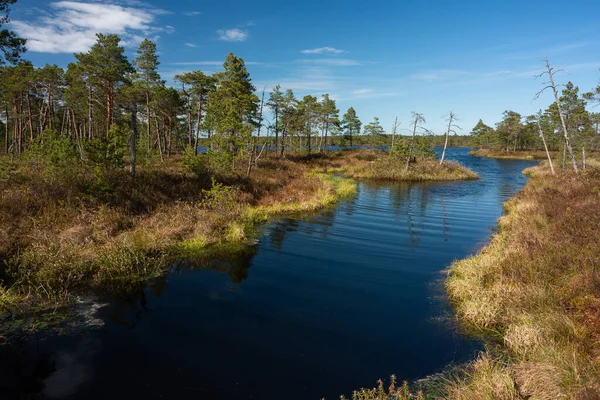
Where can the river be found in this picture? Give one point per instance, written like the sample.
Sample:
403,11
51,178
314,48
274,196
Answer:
320,306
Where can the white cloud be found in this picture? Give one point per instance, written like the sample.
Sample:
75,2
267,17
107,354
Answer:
213,63
438,74
362,91
232,35
323,50
192,45
192,13
71,26
333,62
307,79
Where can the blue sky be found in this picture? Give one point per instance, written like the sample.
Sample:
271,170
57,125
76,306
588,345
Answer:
384,58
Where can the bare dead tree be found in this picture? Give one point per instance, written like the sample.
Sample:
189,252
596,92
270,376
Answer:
252,150
417,118
541,133
551,85
394,129
451,129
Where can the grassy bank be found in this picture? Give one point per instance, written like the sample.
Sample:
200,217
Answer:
64,232
535,290
514,155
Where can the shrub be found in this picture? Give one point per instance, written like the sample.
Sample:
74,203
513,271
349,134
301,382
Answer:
6,168
193,162
220,161
107,152
219,197
54,152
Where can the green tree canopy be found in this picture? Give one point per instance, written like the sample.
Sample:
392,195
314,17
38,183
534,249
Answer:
351,125
11,45
232,107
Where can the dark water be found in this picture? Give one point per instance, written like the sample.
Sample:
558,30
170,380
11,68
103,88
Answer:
320,306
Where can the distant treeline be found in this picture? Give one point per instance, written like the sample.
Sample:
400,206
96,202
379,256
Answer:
516,132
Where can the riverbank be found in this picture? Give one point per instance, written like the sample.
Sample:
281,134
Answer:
66,231
534,291
62,234
513,155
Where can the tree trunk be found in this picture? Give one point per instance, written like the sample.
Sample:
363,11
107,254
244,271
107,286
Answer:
308,135
412,144
326,135
6,132
29,117
65,121
132,141
260,122
250,157
109,99
158,140
283,136
148,118
545,146
90,115
445,146
198,120
393,133
15,128
190,130
562,117
276,130
50,115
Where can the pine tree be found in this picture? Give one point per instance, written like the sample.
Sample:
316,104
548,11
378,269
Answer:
374,129
105,67
232,107
275,103
146,75
11,45
308,108
481,132
328,117
195,88
351,125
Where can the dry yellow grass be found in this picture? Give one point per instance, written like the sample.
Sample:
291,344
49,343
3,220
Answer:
516,155
536,287
423,169
60,237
